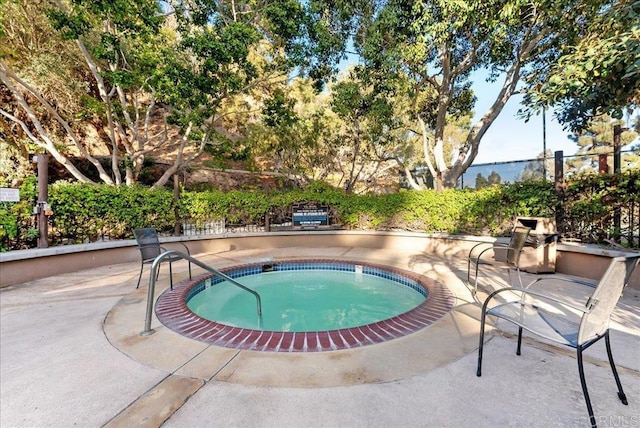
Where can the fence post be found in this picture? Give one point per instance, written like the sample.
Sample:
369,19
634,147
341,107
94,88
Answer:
558,168
617,132
617,223
603,164
176,200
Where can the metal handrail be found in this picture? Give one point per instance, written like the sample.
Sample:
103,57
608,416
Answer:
154,274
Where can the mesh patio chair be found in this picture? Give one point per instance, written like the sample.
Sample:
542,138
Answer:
513,249
150,248
576,326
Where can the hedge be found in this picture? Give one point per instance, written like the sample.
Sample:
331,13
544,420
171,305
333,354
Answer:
86,213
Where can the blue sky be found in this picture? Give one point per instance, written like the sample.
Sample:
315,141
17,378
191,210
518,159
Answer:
511,138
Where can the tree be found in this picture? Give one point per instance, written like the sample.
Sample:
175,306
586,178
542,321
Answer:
597,139
481,181
367,136
536,170
155,80
599,73
340,135
437,44
48,69
494,178
292,134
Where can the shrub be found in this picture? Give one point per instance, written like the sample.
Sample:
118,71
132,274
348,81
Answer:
17,222
85,213
88,212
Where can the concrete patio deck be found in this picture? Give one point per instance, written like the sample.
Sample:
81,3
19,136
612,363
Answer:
71,355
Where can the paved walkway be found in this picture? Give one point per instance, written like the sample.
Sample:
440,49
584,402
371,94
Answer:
71,355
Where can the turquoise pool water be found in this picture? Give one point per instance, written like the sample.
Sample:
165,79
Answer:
306,300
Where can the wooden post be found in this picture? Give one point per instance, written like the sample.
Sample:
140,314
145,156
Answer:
559,181
177,228
603,165
43,196
617,222
617,132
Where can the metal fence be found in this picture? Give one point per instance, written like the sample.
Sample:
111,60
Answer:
480,175
591,214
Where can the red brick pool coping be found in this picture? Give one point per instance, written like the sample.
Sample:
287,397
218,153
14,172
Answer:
172,311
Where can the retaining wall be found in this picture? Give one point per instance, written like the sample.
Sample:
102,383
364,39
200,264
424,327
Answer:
17,267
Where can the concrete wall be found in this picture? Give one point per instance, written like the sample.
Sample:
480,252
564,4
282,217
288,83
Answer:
17,267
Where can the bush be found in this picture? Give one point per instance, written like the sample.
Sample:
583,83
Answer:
486,211
89,212
17,222
86,213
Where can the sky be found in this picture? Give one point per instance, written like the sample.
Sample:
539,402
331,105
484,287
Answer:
511,138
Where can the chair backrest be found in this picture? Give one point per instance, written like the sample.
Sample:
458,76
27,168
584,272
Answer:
148,243
605,297
516,244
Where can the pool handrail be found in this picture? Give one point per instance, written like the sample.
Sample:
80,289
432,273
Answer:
153,274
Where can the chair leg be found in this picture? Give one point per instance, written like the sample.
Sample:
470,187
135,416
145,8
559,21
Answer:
475,284
517,269
481,344
519,277
621,394
519,340
475,280
583,382
140,276
170,276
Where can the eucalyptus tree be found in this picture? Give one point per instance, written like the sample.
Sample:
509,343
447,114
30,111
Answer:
38,70
438,44
157,76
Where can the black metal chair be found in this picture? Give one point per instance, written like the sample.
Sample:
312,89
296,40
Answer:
576,326
150,248
513,251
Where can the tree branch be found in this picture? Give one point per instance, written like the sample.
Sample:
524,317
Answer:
6,73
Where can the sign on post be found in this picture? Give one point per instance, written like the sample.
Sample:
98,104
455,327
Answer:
9,195
310,215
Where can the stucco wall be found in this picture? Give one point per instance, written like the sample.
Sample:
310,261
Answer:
18,267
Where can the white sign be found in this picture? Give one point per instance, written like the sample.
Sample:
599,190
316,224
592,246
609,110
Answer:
9,195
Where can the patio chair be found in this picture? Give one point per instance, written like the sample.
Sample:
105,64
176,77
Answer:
513,250
150,248
556,319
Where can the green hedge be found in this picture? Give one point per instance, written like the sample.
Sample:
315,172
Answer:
86,213
486,211
591,204
17,223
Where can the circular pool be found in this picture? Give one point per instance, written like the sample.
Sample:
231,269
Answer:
308,305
